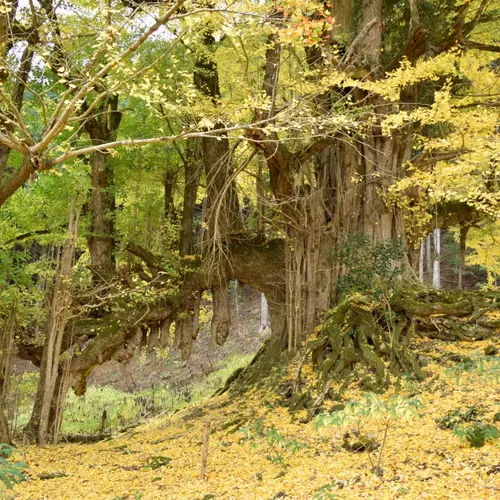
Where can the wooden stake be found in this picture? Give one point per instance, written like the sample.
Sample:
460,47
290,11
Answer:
204,455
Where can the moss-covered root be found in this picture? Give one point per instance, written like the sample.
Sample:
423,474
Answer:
368,339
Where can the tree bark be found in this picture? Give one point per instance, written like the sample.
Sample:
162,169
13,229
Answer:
192,172
102,128
5,436
436,264
463,247
101,240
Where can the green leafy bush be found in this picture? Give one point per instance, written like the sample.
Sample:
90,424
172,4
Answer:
325,493
486,367
455,417
157,462
476,434
465,424
11,472
367,263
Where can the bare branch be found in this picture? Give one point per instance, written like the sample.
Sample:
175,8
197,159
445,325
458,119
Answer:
355,45
482,46
479,14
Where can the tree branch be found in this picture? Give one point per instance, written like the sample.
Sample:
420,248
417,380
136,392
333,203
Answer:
60,117
25,236
148,257
313,148
482,46
440,157
346,60
468,27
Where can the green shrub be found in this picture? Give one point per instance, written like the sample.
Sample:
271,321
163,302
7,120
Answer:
11,472
157,462
455,417
476,434
367,263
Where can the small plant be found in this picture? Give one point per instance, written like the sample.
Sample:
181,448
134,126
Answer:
372,410
455,417
486,367
11,472
137,496
157,462
277,444
325,493
476,434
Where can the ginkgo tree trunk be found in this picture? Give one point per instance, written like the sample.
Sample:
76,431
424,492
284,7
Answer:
347,181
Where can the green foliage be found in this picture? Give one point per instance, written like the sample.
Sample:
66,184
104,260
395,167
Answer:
157,462
216,379
325,493
374,411
476,434
458,416
372,407
19,400
465,424
136,496
84,415
486,367
277,445
11,472
370,266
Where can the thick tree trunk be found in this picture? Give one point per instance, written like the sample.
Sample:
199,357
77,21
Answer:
5,436
346,183
101,241
192,172
169,182
102,128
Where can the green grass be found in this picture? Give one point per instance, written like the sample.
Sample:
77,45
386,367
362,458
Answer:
84,415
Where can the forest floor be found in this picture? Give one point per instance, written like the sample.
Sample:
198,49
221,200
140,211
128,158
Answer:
259,450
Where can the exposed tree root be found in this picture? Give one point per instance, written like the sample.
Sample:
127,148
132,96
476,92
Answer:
368,339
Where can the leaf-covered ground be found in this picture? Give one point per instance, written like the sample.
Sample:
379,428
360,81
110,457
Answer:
258,450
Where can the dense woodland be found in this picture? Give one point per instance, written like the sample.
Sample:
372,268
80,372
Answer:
326,154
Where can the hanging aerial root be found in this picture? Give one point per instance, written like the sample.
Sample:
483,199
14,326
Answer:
368,339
